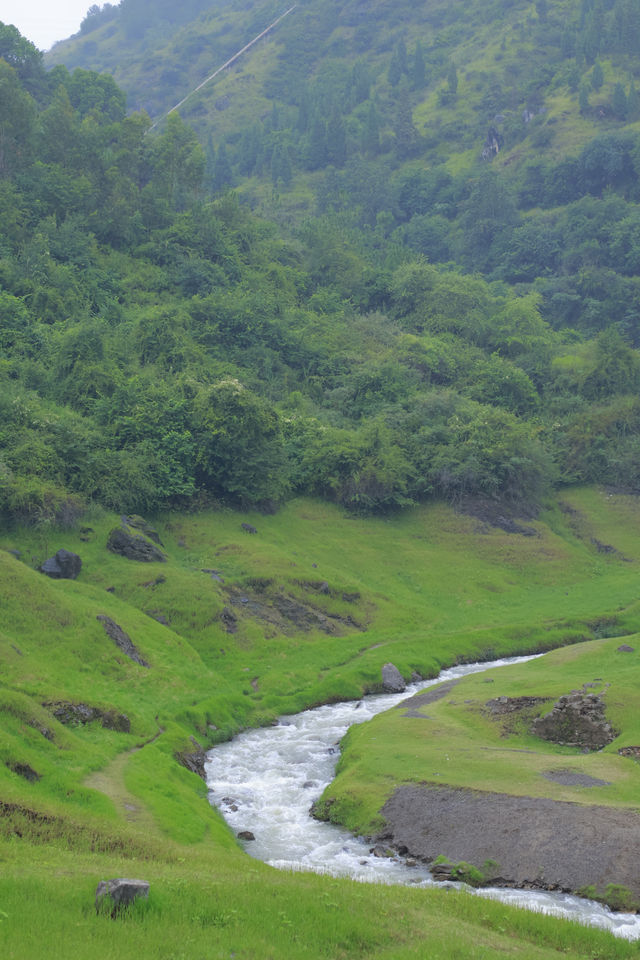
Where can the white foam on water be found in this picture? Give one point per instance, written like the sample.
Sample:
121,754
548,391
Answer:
265,781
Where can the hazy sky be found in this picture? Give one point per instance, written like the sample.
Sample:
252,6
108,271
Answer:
45,21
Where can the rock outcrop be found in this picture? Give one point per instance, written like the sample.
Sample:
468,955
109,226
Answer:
121,639
194,760
63,566
576,720
67,713
136,540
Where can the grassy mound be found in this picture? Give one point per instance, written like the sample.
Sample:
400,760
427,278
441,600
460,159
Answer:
237,628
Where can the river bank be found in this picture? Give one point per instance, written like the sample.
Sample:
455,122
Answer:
537,843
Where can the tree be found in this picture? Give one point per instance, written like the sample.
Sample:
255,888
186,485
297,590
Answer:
633,102
222,172
597,76
17,122
452,80
336,138
418,68
280,165
619,102
406,135
398,66
371,131
318,144
583,98
240,452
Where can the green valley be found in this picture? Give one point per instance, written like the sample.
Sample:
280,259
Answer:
338,364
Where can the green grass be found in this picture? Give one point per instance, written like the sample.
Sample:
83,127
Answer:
459,742
422,589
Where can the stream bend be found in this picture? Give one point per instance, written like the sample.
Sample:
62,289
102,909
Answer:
265,780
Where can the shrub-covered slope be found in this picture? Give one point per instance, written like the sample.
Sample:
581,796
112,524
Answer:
163,346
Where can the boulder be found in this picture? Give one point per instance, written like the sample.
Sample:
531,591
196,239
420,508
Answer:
134,546
392,679
118,894
121,639
64,566
248,528
246,835
142,526
576,720
625,648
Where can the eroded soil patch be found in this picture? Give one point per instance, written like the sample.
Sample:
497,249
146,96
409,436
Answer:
536,842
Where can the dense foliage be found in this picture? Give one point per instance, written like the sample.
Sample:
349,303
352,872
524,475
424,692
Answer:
429,331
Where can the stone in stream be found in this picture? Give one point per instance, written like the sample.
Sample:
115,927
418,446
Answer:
392,679
118,894
246,835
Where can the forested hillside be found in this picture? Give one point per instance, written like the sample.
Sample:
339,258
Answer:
398,317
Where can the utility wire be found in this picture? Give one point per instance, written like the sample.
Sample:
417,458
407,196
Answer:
224,66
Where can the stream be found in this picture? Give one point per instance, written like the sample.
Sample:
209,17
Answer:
265,780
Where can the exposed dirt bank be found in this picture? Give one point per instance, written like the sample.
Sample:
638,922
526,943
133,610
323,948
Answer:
536,842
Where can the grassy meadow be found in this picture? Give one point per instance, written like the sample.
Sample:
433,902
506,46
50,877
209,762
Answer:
318,602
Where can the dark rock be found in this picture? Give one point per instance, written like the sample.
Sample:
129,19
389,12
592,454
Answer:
248,528
158,617
577,720
415,677
392,679
193,760
625,648
121,639
229,620
24,770
118,894
630,752
246,835
64,566
502,705
492,144
134,546
381,851
15,553
80,713
140,524
156,582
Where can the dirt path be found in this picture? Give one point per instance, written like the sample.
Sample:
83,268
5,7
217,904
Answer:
110,781
536,841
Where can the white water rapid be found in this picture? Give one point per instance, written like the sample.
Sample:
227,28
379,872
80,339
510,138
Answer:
264,781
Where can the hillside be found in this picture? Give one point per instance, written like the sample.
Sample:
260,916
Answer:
164,346
374,395
236,628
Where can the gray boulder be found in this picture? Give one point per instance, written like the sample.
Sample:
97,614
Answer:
392,679
118,894
64,566
134,546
